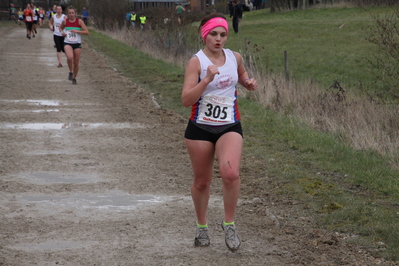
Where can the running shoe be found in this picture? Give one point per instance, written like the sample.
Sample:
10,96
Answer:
59,65
33,36
70,76
201,237
27,36
36,31
231,237
74,81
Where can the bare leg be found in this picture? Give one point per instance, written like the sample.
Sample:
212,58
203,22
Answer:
69,54
76,58
202,156
228,151
59,57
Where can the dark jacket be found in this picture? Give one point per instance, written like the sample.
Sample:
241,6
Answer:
235,11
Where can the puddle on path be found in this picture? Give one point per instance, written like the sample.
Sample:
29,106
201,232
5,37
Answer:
55,80
37,102
48,110
58,126
33,111
56,178
113,200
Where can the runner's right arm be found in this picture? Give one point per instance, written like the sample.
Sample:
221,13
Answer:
51,24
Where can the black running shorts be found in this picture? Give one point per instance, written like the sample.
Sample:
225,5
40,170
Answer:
74,45
210,133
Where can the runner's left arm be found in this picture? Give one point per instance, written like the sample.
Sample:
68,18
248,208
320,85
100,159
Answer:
243,79
84,30
83,26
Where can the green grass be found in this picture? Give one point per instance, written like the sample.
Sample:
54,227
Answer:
349,191
155,76
317,47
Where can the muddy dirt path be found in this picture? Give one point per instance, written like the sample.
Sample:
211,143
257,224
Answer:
98,174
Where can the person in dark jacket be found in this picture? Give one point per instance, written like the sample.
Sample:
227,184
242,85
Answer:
236,14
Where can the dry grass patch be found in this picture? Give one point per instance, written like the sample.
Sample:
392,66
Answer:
356,119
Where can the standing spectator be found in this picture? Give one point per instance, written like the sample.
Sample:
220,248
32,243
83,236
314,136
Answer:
262,4
143,20
28,17
128,16
179,10
236,14
85,15
133,18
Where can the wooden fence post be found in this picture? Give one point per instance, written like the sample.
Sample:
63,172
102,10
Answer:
287,74
247,56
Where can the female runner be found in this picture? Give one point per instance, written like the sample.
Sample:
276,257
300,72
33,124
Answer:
214,127
72,27
41,16
28,18
54,24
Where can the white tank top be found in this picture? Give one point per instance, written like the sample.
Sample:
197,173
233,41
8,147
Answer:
72,37
35,18
218,103
57,24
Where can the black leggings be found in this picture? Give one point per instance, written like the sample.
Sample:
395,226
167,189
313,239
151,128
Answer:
29,25
59,43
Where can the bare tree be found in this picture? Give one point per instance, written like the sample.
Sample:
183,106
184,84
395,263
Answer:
105,14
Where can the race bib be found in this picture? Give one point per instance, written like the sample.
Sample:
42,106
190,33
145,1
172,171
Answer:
29,19
216,109
71,36
57,27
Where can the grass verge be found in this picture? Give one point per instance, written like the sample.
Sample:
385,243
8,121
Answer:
326,44
350,191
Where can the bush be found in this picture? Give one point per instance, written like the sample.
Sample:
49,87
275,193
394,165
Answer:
385,65
363,3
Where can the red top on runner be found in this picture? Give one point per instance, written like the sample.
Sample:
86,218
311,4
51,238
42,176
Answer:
28,15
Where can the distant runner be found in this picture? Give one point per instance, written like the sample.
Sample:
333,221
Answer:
55,23
12,13
20,16
35,20
28,18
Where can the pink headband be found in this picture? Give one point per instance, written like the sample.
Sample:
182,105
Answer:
211,24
